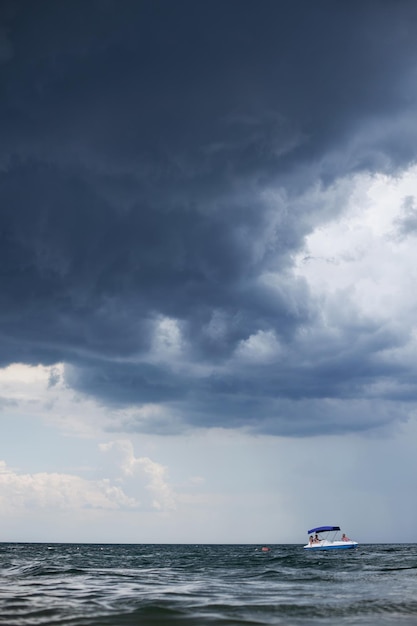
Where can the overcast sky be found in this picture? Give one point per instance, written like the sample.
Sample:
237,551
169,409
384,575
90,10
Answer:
208,267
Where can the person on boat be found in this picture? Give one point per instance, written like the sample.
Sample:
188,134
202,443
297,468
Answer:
316,538
311,540
345,538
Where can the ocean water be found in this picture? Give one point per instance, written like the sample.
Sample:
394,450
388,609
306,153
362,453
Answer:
103,585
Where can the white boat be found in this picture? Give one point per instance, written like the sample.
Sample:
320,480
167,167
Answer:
320,541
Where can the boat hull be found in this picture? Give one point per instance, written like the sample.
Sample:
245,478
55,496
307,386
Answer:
332,545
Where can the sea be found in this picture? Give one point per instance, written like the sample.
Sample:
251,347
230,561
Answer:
141,585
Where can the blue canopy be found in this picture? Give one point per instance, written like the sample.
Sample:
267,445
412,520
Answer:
322,529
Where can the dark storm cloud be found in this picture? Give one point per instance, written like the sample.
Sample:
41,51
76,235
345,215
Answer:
139,141
286,396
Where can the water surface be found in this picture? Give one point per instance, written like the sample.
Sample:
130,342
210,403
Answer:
126,585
